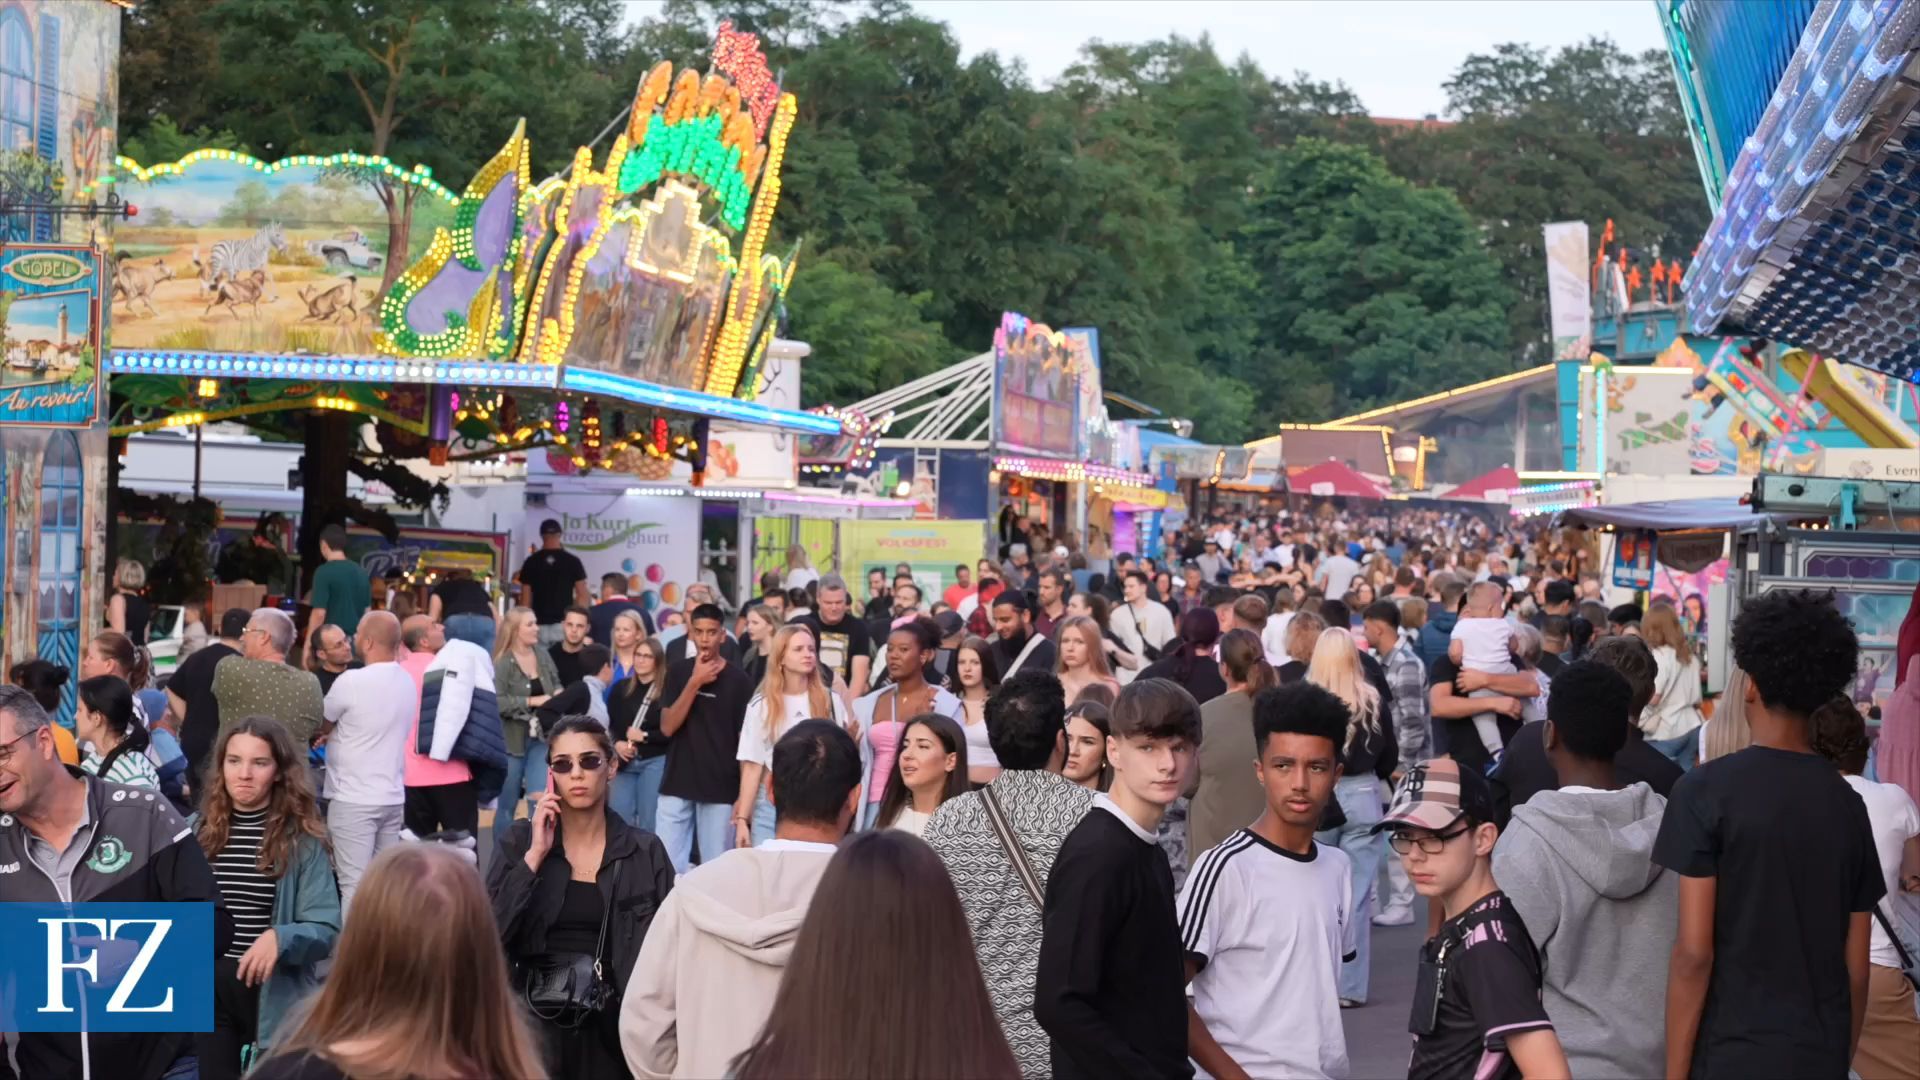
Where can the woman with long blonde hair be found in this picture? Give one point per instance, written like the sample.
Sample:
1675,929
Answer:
1336,667
524,679
792,690
1370,756
1671,721
1083,656
411,995
1727,732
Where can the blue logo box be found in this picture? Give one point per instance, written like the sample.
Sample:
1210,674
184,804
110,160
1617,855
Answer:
106,967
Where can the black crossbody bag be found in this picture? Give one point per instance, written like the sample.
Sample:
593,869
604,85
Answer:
565,989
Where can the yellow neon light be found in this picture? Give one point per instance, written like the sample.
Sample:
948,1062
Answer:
730,354
1350,422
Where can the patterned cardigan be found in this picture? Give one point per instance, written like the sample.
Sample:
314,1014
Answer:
1043,808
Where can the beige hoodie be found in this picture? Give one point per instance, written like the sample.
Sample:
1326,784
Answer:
712,961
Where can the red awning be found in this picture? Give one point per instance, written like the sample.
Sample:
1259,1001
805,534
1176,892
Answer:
1334,478
1495,486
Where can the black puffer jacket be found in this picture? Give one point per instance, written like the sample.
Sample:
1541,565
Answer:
635,876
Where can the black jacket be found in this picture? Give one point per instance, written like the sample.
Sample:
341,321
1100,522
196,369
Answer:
138,851
635,877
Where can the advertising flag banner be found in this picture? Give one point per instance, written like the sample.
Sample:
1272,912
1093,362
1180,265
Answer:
1570,310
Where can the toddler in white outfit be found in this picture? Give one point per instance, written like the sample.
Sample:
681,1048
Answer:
1482,641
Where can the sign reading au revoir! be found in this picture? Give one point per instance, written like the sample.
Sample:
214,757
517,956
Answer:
106,967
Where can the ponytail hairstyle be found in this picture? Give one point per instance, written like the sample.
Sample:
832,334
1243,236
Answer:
1199,633
1245,659
43,679
111,699
132,660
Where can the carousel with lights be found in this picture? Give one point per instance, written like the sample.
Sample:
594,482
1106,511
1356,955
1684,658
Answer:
606,322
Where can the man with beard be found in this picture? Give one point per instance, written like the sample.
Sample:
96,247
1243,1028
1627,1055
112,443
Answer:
1016,647
1053,602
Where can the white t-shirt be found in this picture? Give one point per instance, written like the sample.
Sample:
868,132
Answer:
1274,638
1485,645
979,750
1894,819
801,576
911,821
1269,929
1150,624
754,744
372,710
1337,574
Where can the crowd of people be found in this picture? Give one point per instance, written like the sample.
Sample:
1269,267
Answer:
1081,814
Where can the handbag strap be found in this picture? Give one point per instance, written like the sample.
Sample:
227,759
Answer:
600,947
1906,958
1011,845
1033,642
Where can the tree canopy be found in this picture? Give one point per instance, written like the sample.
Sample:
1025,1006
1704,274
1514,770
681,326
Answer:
1253,247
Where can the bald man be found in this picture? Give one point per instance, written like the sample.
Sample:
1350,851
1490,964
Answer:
371,712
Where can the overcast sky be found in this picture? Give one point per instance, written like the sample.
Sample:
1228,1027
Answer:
1393,53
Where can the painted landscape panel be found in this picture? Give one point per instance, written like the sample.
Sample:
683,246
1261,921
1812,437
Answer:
230,254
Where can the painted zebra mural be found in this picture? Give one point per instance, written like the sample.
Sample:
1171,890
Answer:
230,259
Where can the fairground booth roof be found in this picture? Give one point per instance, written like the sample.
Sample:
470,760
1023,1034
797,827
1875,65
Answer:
1806,120
601,313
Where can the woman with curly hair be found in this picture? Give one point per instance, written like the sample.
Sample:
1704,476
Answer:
263,834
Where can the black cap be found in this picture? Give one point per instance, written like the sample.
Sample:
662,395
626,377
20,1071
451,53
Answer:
1559,592
551,527
950,623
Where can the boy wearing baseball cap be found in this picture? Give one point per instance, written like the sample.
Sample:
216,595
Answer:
1476,1002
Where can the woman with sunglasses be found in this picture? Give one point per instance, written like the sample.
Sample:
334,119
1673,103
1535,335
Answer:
575,888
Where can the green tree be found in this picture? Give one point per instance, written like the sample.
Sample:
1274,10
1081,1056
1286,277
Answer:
160,140
865,336
1587,133
1374,290
250,205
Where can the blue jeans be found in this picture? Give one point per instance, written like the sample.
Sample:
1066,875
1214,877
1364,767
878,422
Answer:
526,781
477,629
636,792
1359,798
1683,750
681,821
762,818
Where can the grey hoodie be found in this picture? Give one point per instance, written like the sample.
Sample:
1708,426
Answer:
711,963
1577,865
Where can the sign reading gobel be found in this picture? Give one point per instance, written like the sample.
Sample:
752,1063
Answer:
49,335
